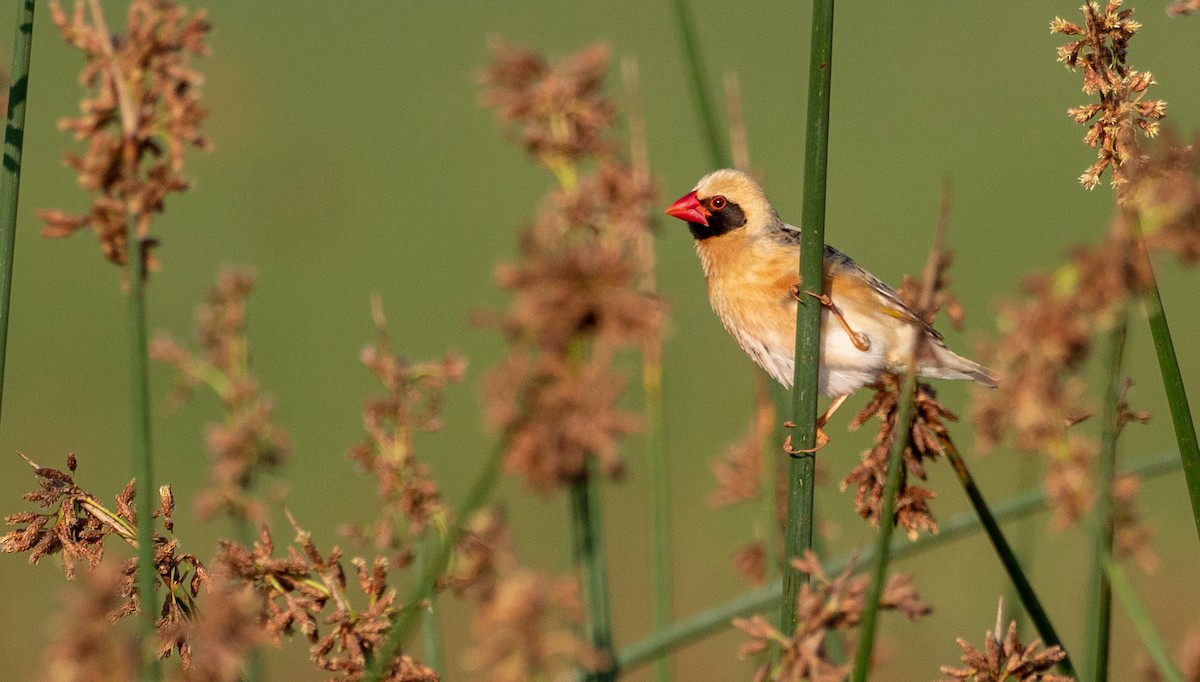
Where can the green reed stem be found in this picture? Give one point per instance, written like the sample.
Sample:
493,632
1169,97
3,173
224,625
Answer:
1141,621
430,637
1168,365
1025,591
10,175
901,434
1100,591
716,618
660,484
406,617
588,553
700,91
143,456
256,668
802,469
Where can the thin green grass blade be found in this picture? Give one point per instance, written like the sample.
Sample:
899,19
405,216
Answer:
1168,365
700,90
802,468
1025,591
1141,621
660,485
405,620
10,175
431,638
901,433
717,618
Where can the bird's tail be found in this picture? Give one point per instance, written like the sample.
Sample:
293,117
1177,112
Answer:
943,363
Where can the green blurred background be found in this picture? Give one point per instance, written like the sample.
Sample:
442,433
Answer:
352,157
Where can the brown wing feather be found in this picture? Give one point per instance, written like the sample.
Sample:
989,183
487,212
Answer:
889,302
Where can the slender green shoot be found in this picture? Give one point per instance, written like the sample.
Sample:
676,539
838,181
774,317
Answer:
1025,591
700,90
1141,621
588,552
1168,365
404,621
10,175
143,457
901,434
660,485
798,527
1100,591
431,639
652,380
141,449
716,618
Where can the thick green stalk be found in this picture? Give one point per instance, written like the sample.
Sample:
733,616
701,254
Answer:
798,527
700,91
1141,621
660,483
10,175
901,434
588,551
716,619
405,619
1029,598
1100,591
1168,365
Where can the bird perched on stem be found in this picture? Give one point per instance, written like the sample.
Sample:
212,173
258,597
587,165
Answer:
750,259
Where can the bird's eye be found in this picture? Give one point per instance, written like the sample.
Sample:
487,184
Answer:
718,202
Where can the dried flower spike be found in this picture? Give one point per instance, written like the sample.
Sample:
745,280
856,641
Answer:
292,594
826,605
142,115
409,497
1100,49
1006,659
249,442
577,288
1182,7
525,623
80,524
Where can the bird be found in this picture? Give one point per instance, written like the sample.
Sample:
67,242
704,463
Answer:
749,256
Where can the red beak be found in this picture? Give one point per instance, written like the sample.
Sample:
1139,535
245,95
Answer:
688,209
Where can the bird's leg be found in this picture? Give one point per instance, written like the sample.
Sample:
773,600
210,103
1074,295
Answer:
859,340
822,437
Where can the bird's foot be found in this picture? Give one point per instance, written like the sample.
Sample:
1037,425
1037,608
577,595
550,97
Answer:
822,441
859,339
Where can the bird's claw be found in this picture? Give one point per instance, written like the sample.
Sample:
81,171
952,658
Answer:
859,339
822,441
